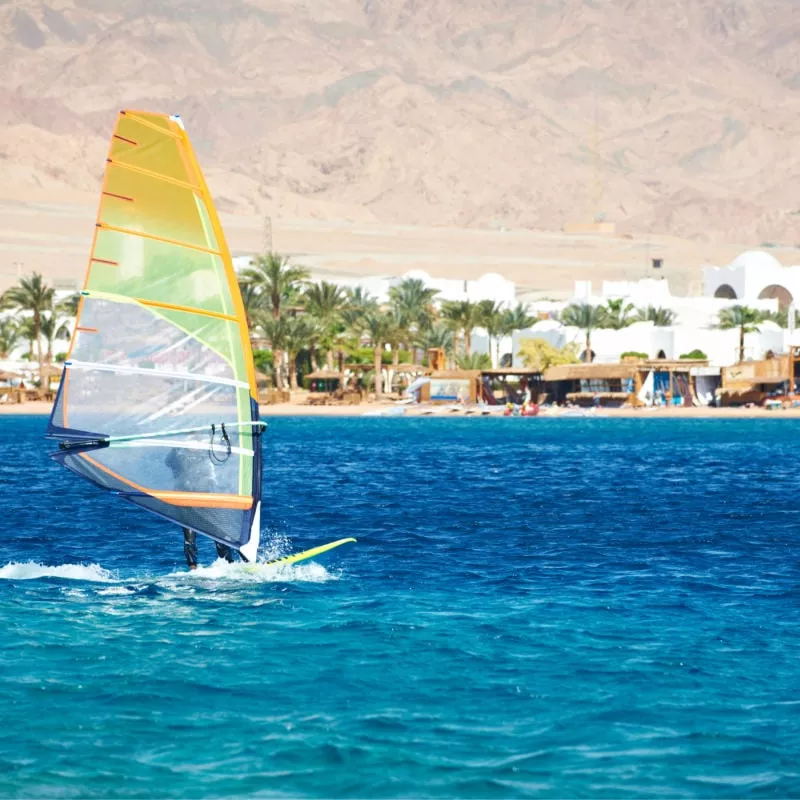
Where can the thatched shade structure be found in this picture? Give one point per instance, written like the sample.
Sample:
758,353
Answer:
324,380
50,371
411,369
324,374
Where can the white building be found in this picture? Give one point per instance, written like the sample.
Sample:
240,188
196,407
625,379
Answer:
753,276
755,279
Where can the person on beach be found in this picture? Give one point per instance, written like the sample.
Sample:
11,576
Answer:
191,468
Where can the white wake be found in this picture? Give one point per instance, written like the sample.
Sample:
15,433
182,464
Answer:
221,570
31,570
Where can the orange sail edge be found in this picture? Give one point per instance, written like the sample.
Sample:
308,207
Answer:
185,499
241,502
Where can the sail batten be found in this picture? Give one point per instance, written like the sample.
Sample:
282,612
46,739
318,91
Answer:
158,401
189,376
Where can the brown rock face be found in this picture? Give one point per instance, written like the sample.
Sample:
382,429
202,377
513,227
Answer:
679,117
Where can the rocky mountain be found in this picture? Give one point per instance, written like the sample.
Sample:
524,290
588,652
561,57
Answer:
679,117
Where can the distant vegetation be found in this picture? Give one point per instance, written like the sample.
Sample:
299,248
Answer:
744,318
323,323
539,354
41,321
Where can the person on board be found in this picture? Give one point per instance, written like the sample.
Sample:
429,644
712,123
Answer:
190,549
191,468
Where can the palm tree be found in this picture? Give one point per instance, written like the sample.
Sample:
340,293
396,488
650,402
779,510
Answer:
9,336
618,314
474,361
586,317
319,336
296,335
463,315
412,298
359,299
471,315
781,317
378,326
35,296
274,331
491,318
325,302
412,302
252,299
660,317
53,327
513,319
742,317
69,305
278,280
279,284
28,333
398,335
517,318
438,336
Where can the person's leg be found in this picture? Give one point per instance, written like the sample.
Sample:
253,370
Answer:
223,551
190,548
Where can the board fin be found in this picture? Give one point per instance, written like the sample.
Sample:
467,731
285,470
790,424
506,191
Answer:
307,554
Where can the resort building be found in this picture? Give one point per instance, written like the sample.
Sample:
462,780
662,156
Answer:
751,277
755,279
634,382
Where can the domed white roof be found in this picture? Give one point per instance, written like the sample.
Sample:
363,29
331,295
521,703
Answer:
756,258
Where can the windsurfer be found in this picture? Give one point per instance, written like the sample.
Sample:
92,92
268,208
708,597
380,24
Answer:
191,468
190,549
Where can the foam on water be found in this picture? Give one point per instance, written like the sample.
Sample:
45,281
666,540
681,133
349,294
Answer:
32,570
221,570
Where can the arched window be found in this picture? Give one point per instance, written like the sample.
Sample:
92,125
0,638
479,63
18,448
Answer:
776,292
725,292
592,356
661,354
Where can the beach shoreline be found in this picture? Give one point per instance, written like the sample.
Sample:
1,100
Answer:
39,408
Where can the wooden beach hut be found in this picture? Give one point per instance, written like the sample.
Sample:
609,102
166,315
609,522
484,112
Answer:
635,382
775,379
451,386
511,385
580,384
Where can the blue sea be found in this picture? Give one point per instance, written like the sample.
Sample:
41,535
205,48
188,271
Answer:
534,608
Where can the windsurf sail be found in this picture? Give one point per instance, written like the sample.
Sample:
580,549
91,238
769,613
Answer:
158,401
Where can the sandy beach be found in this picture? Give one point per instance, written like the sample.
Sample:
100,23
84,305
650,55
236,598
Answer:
439,412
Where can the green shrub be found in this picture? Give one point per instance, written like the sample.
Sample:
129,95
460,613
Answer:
264,361
696,353
633,354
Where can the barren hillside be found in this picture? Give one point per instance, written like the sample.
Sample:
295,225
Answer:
680,117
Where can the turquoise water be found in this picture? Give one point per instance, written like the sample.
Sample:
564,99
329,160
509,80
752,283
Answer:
536,607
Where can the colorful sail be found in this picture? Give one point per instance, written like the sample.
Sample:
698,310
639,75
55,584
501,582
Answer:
158,399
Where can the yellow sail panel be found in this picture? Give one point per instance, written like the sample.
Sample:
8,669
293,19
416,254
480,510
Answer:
230,274
147,148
